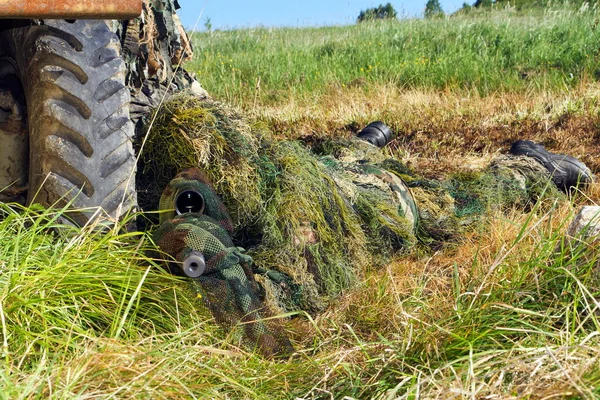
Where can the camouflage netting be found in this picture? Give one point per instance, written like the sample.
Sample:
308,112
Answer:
311,225
226,282
154,47
314,219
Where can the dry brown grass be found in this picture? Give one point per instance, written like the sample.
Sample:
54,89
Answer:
403,316
437,130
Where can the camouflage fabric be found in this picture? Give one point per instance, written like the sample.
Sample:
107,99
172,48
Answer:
358,167
371,176
525,174
155,45
194,179
447,208
439,210
361,158
227,284
314,215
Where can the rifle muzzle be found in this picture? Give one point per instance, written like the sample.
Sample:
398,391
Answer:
194,264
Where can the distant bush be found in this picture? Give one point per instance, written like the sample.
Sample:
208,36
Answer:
482,3
465,9
381,12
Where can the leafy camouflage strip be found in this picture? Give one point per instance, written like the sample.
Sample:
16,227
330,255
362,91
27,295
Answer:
154,47
528,174
227,285
447,208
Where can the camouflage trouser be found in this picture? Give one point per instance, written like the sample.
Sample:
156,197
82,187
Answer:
450,207
404,208
442,209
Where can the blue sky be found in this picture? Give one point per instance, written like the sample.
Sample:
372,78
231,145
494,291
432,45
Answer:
226,14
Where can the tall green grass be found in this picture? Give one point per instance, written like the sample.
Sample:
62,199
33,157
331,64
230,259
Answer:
485,52
519,322
83,316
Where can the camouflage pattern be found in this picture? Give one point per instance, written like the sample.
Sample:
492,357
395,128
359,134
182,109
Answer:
439,210
194,179
227,285
434,211
365,174
451,206
155,46
522,169
360,163
316,214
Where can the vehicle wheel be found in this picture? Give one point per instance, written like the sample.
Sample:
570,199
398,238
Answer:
78,115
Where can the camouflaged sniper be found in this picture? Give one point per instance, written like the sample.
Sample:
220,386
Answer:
226,282
315,216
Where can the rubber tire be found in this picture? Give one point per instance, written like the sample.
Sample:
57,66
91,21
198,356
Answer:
78,114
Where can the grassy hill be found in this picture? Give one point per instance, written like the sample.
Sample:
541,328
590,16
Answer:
472,82
487,52
508,311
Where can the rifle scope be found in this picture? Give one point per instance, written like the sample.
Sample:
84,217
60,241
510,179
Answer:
189,201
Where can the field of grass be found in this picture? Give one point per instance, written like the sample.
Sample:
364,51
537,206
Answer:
465,84
509,311
484,53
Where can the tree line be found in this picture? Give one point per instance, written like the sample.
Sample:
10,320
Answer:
433,8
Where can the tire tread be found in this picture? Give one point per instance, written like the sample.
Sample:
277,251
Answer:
79,117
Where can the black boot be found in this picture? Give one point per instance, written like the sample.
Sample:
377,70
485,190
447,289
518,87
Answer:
377,133
567,172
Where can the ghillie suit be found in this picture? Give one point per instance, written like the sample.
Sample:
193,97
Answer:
200,246
315,217
310,230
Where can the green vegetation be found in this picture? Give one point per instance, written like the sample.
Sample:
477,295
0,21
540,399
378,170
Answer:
485,53
526,4
381,12
507,310
483,3
433,9
85,313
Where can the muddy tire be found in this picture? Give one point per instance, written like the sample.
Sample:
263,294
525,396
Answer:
78,115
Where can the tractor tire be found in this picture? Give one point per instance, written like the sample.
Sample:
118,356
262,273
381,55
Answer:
81,152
